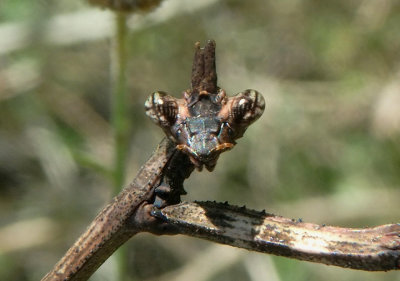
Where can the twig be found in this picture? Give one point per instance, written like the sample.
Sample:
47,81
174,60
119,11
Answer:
372,249
115,224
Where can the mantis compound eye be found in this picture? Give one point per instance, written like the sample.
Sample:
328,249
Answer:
241,111
162,109
247,107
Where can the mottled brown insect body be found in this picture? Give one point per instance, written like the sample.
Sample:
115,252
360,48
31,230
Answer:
205,122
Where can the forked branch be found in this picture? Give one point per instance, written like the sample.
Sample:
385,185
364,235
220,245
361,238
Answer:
370,249
208,124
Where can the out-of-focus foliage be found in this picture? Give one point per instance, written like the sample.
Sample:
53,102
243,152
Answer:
327,148
127,5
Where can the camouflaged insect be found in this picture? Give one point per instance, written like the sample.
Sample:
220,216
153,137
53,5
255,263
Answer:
205,122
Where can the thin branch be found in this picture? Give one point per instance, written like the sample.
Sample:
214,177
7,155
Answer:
372,249
115,224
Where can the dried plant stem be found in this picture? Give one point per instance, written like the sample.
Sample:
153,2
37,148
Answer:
371,249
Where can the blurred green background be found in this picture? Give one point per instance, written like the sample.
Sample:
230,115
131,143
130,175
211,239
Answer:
326,149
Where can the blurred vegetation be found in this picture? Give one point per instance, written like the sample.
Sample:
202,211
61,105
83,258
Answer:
327,148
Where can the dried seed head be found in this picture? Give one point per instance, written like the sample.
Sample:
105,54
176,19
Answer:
127,5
